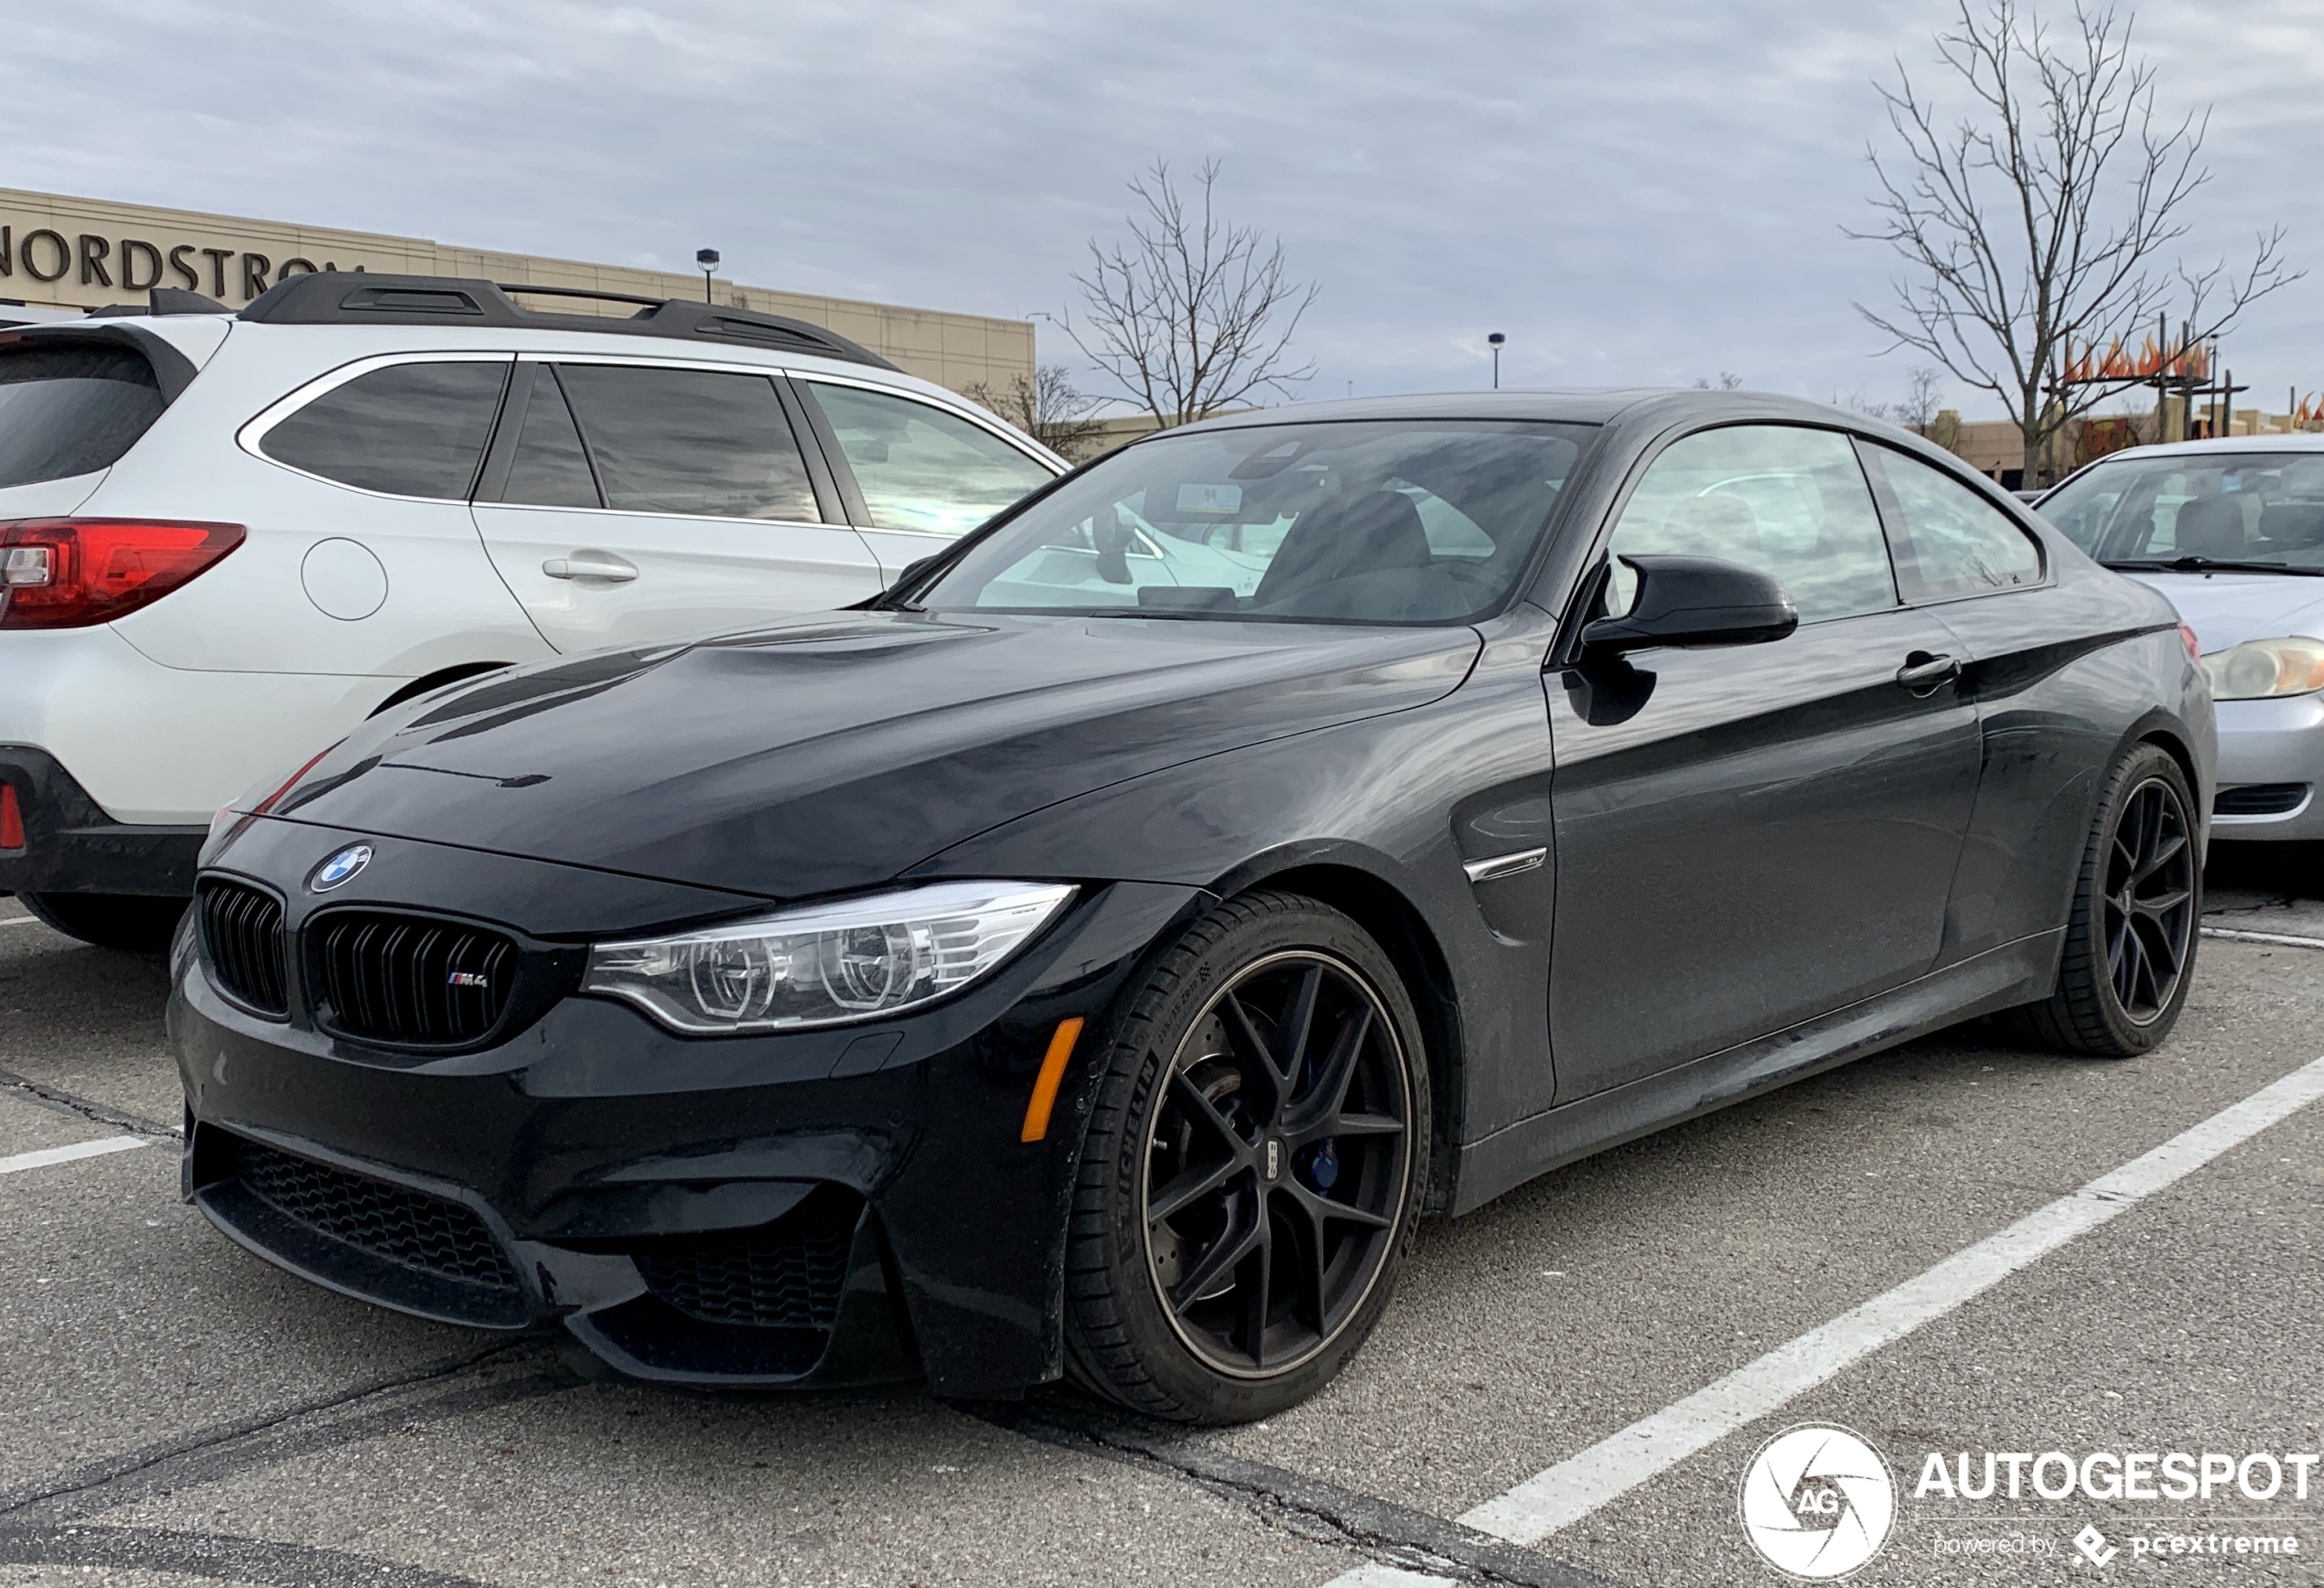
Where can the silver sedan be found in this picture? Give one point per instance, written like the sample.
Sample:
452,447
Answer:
2233,532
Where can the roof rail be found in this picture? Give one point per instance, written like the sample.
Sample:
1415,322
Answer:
163,300
367,298
582,292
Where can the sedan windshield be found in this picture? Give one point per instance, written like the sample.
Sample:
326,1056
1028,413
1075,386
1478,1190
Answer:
1359,521
2246,510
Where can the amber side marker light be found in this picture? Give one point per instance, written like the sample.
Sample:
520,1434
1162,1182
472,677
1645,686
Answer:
1044,1099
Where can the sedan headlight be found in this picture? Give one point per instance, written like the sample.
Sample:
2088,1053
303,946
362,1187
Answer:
2260,668
827,964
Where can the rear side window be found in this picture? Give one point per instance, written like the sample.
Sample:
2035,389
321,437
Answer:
1955,542
549,468
68,411
921,467
689,441
409,430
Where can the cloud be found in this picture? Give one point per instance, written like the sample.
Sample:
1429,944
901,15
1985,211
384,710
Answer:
1642,193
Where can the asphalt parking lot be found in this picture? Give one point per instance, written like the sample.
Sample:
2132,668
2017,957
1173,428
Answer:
173,1410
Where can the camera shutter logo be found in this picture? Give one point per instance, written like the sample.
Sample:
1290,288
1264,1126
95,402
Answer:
1817,1502
340,867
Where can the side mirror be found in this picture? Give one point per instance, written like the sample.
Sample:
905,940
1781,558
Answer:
1696,601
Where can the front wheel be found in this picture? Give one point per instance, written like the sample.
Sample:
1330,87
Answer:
2130,941
134,922
1253,1168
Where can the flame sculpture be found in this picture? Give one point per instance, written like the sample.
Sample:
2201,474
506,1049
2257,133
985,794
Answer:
2186,363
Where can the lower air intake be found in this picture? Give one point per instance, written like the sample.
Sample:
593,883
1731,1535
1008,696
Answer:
784,1275
390,1221
2260,799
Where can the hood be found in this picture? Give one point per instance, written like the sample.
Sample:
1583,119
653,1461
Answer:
2226,609
837,752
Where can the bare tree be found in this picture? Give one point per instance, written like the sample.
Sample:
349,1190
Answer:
1856,402
1916,411
1923,390
1728,382
2036,228
1191,315
1046,408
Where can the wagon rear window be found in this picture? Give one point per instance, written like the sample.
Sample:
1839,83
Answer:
68,411
409,430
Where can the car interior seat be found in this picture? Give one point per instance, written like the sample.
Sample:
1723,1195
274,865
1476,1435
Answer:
2210,527
2292,526
1372,534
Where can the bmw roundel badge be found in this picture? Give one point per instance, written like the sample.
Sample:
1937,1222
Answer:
340,867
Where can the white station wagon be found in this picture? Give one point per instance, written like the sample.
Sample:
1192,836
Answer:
225,539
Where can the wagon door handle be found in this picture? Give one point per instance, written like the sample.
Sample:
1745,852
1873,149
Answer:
1925,674
591,565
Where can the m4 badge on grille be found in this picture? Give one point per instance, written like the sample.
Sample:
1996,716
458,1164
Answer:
467,978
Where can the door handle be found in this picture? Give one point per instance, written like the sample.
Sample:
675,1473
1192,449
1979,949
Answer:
1925,674
591,565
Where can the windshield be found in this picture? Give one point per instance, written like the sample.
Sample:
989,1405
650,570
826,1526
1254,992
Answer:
2260,508
1362,521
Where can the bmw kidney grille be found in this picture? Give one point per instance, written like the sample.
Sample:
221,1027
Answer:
241,930
407,979
377,976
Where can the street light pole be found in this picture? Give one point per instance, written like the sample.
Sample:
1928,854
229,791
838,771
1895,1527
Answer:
706,260
1494,341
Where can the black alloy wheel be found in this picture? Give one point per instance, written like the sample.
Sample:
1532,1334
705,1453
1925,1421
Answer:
2130,943
1275,1167
2149,901
1257,1144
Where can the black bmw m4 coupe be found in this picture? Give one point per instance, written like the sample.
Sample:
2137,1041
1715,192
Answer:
1090,958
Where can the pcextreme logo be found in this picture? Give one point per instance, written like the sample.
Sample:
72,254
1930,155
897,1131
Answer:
1817,1502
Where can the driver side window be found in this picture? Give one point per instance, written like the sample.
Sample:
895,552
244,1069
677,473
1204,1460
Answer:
1787,500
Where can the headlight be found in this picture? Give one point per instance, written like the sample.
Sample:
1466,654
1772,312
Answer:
2260,668
827,964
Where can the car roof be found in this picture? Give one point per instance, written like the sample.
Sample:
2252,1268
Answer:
1573,405
360,298
2295,441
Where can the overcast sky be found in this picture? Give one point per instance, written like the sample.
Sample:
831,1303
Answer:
1647,192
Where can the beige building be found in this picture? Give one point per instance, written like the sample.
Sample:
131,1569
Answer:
1995,449
65,252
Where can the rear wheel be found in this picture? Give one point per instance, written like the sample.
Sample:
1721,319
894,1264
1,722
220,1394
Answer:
138,923
1253,1167
2130,941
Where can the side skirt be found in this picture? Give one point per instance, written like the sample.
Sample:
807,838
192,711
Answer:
1997,979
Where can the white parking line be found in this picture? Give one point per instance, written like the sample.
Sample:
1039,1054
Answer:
47,1155
2286,939
1580,1484
17,920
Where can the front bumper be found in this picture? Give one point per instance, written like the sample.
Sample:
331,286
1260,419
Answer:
73,847
2271,771
817,1209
